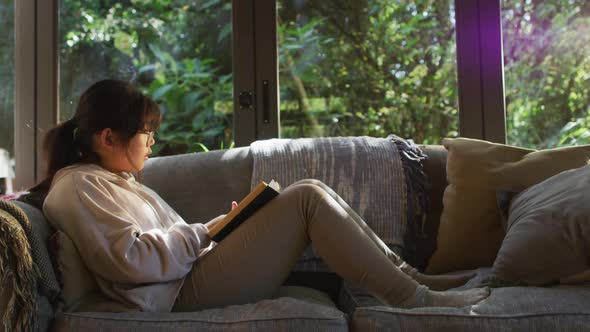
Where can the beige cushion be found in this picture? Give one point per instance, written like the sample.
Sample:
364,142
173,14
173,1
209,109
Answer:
548,231
470,231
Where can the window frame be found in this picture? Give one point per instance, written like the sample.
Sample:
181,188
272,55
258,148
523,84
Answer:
35,85
480,70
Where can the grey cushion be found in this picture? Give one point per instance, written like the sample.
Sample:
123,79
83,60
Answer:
304,294
548,231
563,308
201,186
282,314
49,286
351,298
503,200
41,230
44,313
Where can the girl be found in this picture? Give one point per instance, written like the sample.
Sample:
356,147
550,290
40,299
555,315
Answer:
146,257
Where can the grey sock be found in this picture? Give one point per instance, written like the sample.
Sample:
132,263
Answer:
418,299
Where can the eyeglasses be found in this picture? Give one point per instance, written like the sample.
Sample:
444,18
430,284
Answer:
150,136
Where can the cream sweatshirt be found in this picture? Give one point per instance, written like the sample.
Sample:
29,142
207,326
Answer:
138,248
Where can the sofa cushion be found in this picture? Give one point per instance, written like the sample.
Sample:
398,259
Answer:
548,231
507,309
470,231
352,297
38,231
200,186
23,304
503,200
281,314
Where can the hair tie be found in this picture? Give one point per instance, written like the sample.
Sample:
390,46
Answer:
72,123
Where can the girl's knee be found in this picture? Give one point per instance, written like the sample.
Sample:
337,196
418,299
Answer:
310,182
306,188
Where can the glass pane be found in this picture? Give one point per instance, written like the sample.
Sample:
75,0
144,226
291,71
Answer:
547,72
6,95
179,52
370,67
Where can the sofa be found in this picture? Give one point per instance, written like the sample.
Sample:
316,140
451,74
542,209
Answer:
308,301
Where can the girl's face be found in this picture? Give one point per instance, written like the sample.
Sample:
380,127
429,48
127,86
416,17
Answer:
118,157
139,149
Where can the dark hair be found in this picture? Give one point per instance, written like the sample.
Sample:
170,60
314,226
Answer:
109,103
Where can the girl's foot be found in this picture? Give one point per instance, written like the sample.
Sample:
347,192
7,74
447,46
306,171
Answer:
443,282
423,297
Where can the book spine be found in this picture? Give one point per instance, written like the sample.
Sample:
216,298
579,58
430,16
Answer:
264,197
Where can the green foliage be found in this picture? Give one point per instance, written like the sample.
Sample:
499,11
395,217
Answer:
204,148
573,133
390,66
346,67
167,48
547,73
188,92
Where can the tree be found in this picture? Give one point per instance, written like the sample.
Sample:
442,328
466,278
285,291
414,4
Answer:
547,62
381,66
166,47
368,67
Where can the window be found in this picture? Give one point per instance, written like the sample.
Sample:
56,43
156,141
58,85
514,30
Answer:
547,72
7,95
368,68
345,68
178,52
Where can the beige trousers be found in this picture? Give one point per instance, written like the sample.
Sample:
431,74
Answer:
256,258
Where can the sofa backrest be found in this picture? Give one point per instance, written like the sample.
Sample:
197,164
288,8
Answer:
201,186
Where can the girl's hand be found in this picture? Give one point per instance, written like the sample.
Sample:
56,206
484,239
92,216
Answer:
214,221
217,219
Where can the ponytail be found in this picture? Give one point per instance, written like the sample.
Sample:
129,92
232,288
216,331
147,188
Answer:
60,151
60,147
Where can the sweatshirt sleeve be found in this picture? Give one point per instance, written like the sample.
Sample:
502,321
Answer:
110,240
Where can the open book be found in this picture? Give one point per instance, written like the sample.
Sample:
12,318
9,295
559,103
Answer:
257,198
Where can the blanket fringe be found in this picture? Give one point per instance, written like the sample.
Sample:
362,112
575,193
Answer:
417,186
18,276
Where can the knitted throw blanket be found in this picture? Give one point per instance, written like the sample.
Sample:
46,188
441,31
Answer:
373,175
18,273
